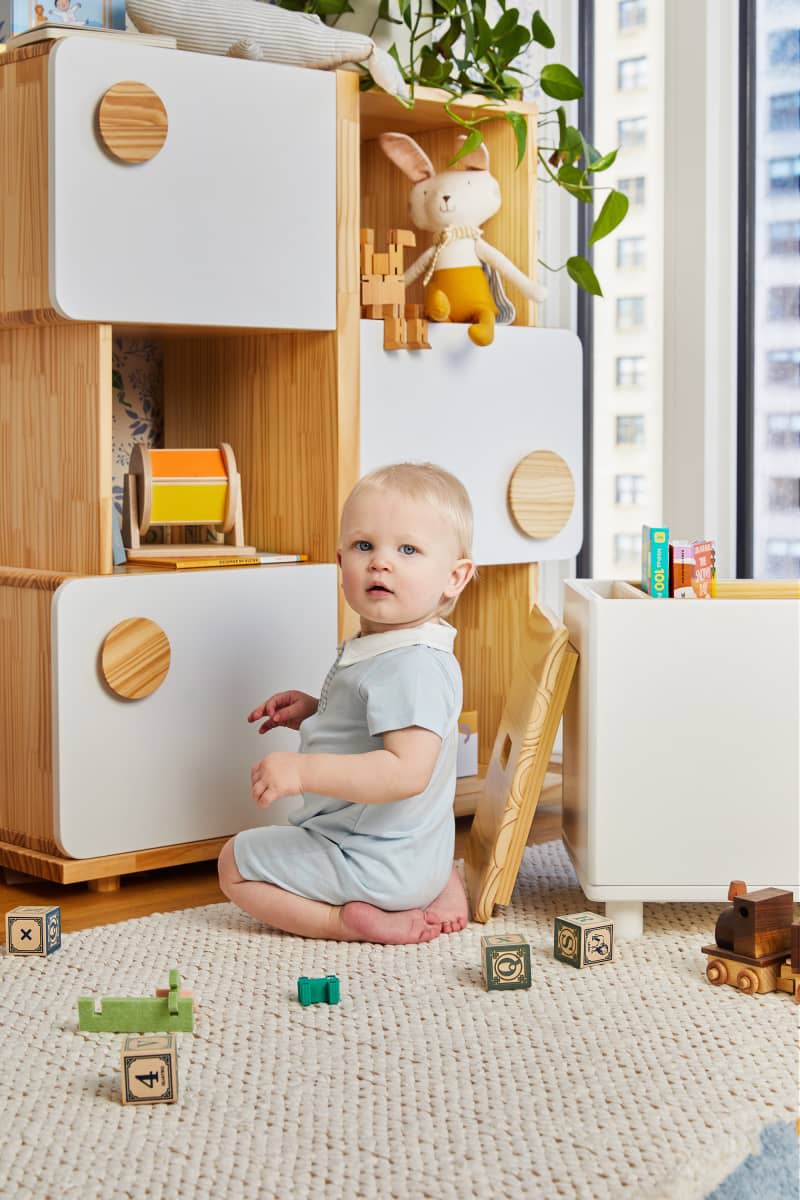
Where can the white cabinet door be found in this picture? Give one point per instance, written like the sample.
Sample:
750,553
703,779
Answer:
175,765
477,411
233,222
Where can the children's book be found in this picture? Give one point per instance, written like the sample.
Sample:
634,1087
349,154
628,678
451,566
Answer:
655,560
51,29
176,562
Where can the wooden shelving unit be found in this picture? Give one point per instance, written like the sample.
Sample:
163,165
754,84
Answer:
287,400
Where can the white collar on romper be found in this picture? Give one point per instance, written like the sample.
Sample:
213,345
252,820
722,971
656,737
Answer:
437,634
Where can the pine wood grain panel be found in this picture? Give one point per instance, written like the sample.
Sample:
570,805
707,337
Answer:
57,869
55,448
272,396
23,182
24,577
26,762
491,618
385,190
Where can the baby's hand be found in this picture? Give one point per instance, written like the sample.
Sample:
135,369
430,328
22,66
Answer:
275,776
284,710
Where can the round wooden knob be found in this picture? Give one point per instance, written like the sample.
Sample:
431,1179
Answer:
541,494
135,658
132,121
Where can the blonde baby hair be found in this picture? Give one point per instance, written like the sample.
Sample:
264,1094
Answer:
437,487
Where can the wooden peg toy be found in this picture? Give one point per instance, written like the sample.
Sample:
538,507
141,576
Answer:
33,929
139,1014
149,1067
314,991
383,291
752,940
506,961
583,939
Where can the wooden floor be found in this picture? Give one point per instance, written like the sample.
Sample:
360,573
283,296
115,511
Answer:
192,885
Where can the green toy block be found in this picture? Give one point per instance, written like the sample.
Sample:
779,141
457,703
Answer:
506,961
583,939
312,991
172,1013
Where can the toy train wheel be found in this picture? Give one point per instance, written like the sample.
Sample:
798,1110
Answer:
747,981
717,972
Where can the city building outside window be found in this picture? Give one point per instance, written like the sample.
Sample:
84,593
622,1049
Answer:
633,188
783,558
632,73
631,131
630,312
784,493
783,366
631,370
631,252
784,47
632,14
784,111
783,431
784,237
630,489
783,303
627,547
784,174
630,429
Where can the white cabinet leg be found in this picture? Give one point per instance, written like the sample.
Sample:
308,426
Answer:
628,917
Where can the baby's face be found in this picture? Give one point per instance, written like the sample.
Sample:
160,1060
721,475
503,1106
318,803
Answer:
399,560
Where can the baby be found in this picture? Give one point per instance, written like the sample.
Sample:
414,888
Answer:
369,855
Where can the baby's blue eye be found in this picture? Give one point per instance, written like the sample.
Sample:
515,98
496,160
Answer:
362,544
408,550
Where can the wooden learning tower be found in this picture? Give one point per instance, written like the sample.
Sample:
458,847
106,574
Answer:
254,358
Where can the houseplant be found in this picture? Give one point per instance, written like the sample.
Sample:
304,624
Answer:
452,45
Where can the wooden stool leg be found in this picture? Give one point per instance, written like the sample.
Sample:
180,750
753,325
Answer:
109,884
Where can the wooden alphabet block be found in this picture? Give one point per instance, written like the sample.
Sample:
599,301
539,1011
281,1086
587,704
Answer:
33,929
583,939
149,1068
506,961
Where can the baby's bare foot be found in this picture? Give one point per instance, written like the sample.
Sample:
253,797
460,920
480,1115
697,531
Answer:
366,923
450,910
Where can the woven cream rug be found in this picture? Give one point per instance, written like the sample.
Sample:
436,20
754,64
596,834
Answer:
637,1079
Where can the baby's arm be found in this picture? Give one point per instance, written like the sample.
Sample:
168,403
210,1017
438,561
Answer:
401,769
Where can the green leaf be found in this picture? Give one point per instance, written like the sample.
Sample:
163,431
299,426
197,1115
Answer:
541,31
560,83
602,164
612,212
562,128
484,35
332,8
474,139
520,127
506,24
580,271
573,144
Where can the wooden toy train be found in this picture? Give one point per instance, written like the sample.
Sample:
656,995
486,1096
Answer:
757,946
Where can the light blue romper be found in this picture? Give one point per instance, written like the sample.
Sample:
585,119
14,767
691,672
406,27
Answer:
397,855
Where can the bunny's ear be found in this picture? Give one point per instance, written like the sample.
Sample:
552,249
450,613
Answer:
407,155
476,160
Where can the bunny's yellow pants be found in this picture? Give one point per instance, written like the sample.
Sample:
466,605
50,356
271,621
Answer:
462,294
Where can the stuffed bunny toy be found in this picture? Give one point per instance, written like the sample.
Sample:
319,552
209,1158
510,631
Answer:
460,270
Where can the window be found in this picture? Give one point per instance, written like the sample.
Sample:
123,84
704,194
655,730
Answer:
784,237
630,489
632,73
632,14
630,312
784,494
631,252
783,47
631,371
627,547
783,303
784,174
783,366
630,429
633,189
784,111
783,431
631,131
783,558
